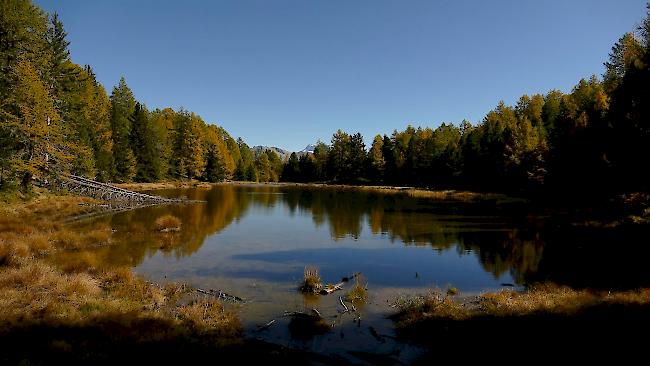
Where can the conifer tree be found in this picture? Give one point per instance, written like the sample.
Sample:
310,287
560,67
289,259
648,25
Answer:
376,162
162,122
245,170
122,107
291,171
39,143
214,166
263,168
22,35
143,146
188,147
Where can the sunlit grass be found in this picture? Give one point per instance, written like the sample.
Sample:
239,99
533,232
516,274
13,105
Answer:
358,293
539,300
311,282
35,291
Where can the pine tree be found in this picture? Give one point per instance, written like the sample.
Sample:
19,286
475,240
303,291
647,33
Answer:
61,71
339,156
143,146
122,107
162,122
357,157
291,170
214,166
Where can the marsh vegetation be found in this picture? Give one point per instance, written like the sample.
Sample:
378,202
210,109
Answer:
37,295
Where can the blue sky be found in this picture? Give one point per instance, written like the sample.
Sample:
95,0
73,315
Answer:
286,73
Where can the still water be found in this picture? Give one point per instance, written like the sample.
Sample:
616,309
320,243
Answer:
255,241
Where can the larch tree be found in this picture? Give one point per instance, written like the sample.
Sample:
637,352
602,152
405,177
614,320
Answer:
376,162
40,143
189,159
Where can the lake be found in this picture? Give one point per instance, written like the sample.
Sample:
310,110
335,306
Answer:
254,241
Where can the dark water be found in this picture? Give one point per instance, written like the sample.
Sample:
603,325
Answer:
255,241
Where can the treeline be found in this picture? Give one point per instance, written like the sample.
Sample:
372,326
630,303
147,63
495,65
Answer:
55,117
594,139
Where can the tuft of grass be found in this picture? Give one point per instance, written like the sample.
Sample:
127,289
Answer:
210,316
311,281
168,223
358,293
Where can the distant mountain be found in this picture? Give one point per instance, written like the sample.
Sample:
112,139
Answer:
282,153
308,150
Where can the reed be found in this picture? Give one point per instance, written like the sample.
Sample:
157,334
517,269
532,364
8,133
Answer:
311,282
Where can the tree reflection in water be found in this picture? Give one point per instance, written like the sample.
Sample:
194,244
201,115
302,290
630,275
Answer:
504,239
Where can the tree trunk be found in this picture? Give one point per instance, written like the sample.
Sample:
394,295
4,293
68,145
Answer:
26,181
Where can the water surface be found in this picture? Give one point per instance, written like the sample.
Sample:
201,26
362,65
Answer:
255,241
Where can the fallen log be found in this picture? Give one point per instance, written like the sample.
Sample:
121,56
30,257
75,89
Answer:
342,303
328,289
265,326
220,295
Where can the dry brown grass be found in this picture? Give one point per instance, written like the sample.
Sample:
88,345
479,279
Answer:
168,223
37,292
557,300
164,185
209,316
311,282
358,293
462,196
539,300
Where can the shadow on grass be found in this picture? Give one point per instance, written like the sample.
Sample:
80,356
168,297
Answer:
124,340
600,332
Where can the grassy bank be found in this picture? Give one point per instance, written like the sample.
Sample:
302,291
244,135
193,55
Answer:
165,185
79,312
440,195
557,319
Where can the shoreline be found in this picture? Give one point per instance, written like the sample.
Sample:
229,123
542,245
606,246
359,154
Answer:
452,195
88,296
625,210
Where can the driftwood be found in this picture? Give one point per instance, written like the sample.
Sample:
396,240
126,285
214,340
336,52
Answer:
292,313
265,326
328,289
220,295
302,313
342,303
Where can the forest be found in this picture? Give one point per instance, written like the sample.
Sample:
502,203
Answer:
55,117
593,140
